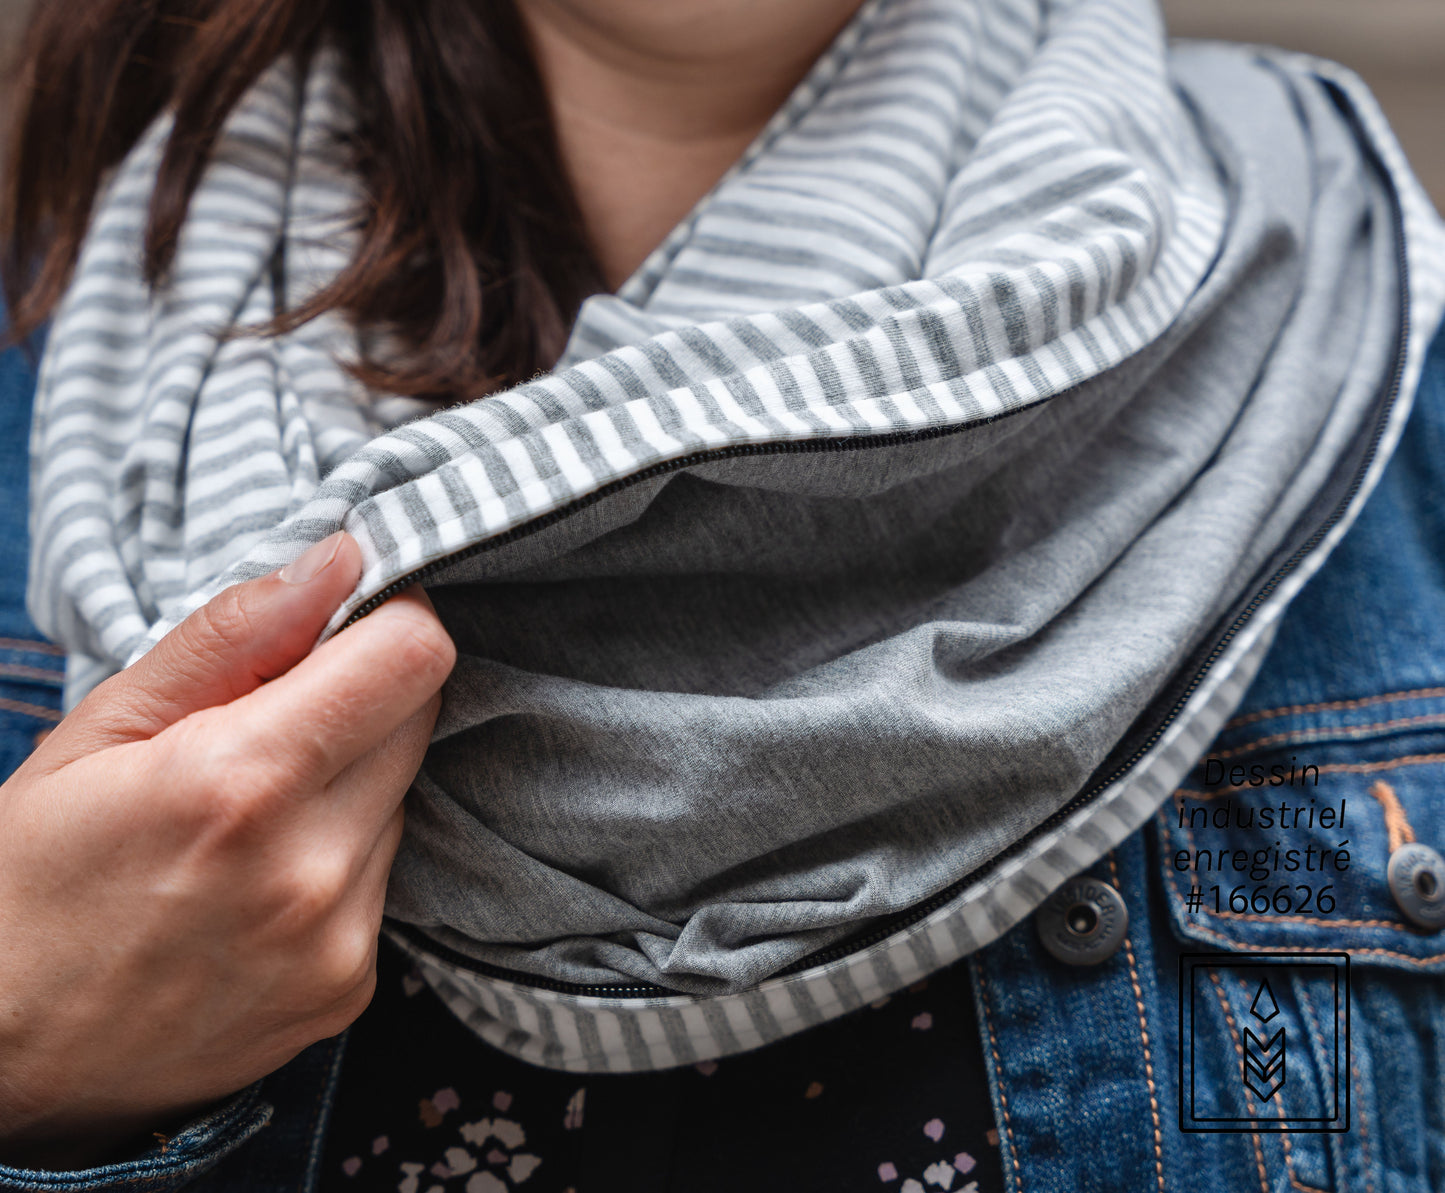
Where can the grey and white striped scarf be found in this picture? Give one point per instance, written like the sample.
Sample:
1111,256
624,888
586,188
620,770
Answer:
880,554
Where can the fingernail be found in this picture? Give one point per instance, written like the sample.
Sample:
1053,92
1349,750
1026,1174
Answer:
315,560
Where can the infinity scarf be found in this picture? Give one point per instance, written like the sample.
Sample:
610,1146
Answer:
881,553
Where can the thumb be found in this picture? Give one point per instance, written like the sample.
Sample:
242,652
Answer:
244,636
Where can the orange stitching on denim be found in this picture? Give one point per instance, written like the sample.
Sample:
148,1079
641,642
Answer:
31,644
1396,822
1330,768
998,1068
1249,918
1356,768
1239,1048
1289,919
1241,946
1360,1118
30,710
1289,1147
1335,705
1289,1152
1364,1147
1344,731
20,671
1288,1158
1143,1038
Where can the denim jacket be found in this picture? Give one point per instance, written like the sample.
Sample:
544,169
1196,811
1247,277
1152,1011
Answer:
1352,697
1173,1059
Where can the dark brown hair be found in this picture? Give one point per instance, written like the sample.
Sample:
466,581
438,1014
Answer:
471,249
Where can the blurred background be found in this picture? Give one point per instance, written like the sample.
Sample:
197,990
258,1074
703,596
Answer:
1397,45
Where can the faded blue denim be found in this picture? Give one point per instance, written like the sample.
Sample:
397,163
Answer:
1084,1061
31,669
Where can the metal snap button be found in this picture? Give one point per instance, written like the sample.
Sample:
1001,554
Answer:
1083,922
1416,875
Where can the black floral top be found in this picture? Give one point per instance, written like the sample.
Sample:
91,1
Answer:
893,1097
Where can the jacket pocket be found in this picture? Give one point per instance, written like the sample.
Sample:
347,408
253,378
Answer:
1281,844
1286,844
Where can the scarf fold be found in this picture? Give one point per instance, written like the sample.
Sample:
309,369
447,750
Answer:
841,560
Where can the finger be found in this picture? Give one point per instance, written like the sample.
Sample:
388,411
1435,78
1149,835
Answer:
376,870
243,637
369,905
352,931
368,790
348,695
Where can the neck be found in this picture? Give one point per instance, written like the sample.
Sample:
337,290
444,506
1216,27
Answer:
652,102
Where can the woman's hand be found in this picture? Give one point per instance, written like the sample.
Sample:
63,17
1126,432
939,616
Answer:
193,864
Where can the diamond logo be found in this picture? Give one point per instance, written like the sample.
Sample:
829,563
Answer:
1264,1008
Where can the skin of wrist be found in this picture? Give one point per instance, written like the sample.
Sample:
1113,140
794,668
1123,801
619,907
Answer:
53,1144
88,1147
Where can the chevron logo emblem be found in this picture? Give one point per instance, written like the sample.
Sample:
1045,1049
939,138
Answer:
1264,1059
1252,1022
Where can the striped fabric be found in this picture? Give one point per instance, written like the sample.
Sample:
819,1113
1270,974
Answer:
967,208
844,278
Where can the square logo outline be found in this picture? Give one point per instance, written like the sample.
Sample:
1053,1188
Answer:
1188,963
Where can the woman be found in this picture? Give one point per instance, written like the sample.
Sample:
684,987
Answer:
881,550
